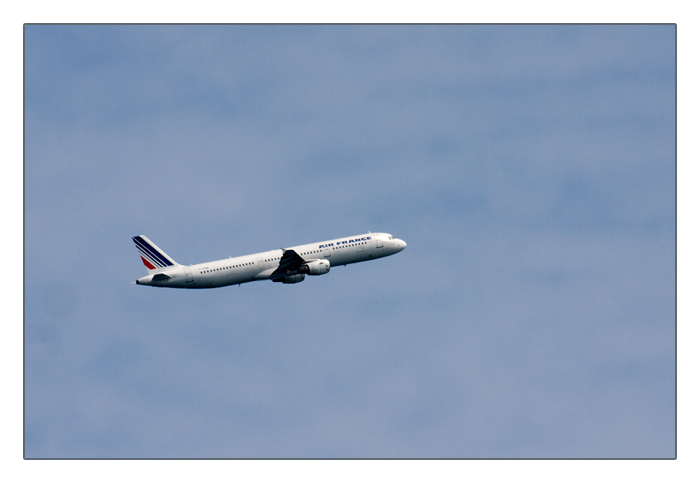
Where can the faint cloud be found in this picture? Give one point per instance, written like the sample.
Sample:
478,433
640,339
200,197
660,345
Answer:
59,300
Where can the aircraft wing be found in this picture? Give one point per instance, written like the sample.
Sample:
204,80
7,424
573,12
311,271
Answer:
289,264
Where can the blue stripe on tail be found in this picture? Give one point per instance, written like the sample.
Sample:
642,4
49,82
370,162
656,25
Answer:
155,255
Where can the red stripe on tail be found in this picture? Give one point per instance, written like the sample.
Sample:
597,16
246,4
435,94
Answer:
148,265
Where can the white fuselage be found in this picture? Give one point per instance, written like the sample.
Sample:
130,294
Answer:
261,266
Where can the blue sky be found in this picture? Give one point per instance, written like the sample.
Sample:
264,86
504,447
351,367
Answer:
530,169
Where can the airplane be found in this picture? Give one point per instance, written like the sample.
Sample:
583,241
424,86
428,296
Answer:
286,265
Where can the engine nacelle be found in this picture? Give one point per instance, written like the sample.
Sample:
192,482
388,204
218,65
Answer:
291,279
317,267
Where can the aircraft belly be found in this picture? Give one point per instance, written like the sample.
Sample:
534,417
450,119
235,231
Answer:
202,281
264,275
346,257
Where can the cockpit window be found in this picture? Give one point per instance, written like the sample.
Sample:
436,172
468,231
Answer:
391,237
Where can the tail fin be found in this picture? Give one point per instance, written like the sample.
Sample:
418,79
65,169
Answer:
153,257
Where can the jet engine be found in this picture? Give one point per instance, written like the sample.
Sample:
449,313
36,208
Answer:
291,279
317,267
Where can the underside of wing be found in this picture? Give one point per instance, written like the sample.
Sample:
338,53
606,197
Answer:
290,263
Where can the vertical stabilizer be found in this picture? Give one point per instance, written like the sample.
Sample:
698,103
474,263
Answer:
153,257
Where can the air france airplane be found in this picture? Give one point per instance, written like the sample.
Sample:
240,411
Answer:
286,265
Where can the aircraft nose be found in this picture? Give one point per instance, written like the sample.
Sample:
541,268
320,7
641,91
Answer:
402,244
